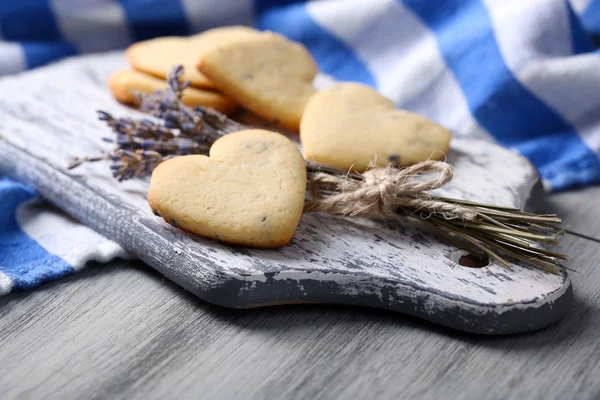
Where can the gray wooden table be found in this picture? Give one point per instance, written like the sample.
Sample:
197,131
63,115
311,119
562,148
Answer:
122,331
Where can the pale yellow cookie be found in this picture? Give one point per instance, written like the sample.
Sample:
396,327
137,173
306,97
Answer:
124,83
268,75
158,56
250,191
349,125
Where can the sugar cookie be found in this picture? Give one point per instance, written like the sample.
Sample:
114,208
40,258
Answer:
158,56
350,125
268,75
123,83
250,191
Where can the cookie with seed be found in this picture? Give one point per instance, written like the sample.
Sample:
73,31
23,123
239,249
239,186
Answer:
269,75
157,56
125,83
349,126
249,191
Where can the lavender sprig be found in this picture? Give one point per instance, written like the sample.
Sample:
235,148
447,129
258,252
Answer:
167,106
144,128
175,146
199,123
178,131
77,161
127,164
139,163
149,135
140,143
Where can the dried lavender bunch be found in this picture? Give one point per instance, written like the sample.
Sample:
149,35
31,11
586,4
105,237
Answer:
141,146
149,135
483,230
178,130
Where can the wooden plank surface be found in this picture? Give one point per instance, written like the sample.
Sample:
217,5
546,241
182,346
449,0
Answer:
122,331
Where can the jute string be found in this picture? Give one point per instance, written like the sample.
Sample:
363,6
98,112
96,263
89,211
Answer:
385,192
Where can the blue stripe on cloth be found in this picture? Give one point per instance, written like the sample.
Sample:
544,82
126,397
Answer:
581,40
32,22
151,18
28,20
590,17
260,6
332,55
24,261
40,53
499,102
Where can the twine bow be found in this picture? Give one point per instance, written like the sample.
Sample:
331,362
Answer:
384,192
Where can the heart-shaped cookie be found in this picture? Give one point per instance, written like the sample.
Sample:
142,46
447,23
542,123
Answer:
268,75
124,83
349,125
250,191
157,56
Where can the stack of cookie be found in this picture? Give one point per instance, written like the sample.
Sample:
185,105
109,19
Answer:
150,61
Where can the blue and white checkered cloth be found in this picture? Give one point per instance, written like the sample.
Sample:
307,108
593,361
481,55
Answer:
523,73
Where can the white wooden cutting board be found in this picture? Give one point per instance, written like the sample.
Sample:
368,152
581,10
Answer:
47,117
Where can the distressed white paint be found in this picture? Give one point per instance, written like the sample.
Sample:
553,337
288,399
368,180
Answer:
399,263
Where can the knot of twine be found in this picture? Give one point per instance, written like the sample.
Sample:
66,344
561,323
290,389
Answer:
385,193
